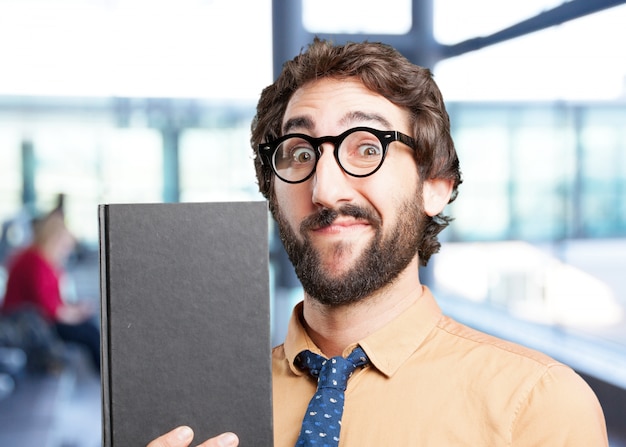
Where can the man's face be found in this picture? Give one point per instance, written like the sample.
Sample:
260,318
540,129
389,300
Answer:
348,237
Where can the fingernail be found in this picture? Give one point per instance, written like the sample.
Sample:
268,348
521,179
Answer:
227,440
184,433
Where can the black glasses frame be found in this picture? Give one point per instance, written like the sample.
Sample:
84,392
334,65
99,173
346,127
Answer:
268,150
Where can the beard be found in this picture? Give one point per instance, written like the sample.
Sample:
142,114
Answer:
382,260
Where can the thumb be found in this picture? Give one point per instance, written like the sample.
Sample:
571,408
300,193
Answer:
179,437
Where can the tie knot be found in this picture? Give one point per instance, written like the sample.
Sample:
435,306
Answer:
333,372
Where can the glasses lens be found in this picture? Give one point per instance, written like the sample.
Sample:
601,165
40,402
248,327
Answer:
294,159
361,153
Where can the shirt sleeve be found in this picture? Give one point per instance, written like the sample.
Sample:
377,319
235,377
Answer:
44,283
560,410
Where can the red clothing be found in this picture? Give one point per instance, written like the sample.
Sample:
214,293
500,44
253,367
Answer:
33,282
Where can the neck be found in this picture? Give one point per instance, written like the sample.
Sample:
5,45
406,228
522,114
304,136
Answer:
333,328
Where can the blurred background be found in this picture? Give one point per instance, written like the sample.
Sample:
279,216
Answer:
121,101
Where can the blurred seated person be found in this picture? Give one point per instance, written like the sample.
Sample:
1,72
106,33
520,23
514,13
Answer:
34,283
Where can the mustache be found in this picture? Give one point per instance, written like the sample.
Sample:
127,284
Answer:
326,216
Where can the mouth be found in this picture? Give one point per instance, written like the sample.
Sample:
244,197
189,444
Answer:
346,218
342,226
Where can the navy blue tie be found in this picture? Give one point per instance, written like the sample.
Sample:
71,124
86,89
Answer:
322,421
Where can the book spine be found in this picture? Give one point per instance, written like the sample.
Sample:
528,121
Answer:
103,224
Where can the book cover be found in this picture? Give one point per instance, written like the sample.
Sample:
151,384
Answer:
185,321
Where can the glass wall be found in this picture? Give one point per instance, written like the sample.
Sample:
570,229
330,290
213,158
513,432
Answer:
539,172
216,164
539,234
539,228
603,172
96,160
10,171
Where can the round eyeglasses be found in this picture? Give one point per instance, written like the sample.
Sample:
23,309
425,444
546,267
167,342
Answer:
359,151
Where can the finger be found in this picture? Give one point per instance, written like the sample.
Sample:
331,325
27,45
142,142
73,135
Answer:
223,440
179,437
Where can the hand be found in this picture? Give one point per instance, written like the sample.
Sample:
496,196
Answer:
75,313
182,436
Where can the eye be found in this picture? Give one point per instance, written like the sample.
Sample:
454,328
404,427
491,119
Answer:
294,152
367,150
302,154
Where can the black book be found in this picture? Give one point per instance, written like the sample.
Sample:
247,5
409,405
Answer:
185,321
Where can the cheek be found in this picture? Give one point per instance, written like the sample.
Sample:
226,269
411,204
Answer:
398,177
293,201
393,189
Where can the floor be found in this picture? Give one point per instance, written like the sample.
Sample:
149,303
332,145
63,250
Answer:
59,409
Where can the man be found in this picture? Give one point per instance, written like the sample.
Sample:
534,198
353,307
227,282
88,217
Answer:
356,159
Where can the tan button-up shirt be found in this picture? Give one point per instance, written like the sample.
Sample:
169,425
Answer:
437,383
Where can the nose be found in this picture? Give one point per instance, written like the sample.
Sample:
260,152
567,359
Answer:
330,183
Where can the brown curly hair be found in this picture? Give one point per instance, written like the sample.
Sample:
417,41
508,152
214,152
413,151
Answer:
383,70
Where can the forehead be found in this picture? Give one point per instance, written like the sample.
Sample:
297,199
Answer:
329,106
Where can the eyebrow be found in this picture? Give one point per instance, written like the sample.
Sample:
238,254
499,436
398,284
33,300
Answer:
298,122
306,123
358,116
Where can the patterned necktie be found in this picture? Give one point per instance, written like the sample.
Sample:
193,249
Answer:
322,421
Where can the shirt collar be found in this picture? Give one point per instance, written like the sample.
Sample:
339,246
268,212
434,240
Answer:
297,340
388,348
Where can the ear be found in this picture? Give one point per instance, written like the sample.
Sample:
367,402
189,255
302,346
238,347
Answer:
436,194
